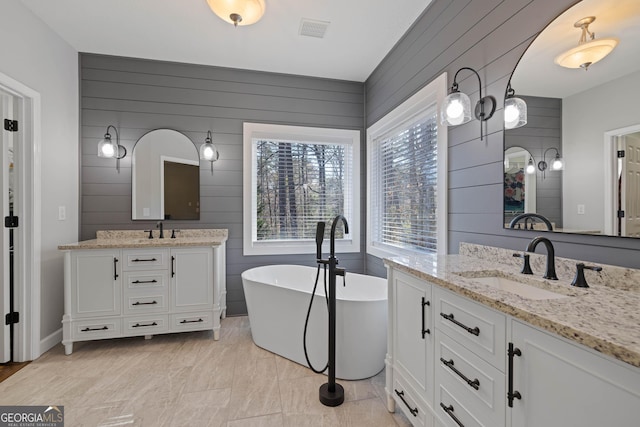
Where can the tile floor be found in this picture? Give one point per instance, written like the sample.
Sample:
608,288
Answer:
191,380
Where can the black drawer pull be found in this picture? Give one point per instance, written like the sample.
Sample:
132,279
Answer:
144,281
173,266
142,325
145,303
474,331
449,364
192,321
104,328
424,330
414,411
511,352
143,260
115,268
449,411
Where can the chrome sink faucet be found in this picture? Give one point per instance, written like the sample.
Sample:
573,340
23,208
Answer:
551,261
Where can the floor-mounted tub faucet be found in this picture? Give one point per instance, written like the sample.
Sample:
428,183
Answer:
551,261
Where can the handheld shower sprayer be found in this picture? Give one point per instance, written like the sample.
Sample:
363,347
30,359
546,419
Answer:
319,239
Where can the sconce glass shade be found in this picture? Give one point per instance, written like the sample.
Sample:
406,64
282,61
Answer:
238,12
456,109
531,168
107,148
557,163
586,54
208,151
515,113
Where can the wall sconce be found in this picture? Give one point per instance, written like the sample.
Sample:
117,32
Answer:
587,52
112,150
556,163
515,110
531,168
208,151
456,108
238,12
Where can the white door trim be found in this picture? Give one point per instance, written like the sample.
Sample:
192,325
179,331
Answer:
28,209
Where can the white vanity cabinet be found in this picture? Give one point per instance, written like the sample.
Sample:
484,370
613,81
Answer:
113,293
481,367
412,343
564,384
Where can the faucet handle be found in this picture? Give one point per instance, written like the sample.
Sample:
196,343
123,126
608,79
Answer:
526,267
579,280
150,233
173,233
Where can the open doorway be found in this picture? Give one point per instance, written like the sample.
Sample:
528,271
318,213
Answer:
622,190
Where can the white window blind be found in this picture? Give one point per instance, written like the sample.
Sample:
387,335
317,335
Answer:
406,174
295,177
405,206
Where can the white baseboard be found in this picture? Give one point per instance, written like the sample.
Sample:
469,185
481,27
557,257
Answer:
50,341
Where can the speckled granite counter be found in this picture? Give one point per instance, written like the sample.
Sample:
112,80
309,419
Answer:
604,317
139,239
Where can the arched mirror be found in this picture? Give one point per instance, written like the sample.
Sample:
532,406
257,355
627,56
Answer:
165,177
583,125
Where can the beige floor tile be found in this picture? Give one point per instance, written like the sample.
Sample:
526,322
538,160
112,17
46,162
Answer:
274,420
364,413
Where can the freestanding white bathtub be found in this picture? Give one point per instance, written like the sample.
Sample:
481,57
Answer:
278,299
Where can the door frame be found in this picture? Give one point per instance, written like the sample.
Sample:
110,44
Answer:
28,209
611,176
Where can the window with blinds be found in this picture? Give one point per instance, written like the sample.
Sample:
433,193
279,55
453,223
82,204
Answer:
407,167
404,202
294,178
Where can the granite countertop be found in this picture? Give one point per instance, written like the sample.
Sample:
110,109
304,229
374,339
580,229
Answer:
604,317
140,239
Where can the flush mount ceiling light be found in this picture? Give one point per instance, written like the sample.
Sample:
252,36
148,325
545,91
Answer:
208,151
587,52
515,110
109,149
238,12
456,108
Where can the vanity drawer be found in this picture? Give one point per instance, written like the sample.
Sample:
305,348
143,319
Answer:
452,413
145,259
94,329
145,325
471,380
410,402
191,321
135,281
146,302
480,329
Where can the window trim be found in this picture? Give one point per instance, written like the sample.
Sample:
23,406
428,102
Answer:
303,246
433,93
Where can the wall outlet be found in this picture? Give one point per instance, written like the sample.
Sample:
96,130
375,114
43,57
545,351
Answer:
580,209
62,213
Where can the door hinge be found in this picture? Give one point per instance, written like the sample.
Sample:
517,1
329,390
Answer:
11,125
620,214
11,318
621,154
11,221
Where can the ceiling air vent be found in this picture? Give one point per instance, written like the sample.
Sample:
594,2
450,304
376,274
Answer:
312,28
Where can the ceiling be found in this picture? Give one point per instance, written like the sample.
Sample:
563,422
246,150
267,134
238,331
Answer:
537,74
360,33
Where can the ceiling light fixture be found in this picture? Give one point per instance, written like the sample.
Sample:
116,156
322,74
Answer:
515,110
456,108
587,52
238,12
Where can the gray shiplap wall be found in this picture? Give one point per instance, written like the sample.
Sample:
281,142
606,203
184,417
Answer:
542,132
138,95
490,36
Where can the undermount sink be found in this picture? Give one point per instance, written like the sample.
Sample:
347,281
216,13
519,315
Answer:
509,283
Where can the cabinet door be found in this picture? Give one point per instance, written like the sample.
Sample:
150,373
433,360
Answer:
563,384
192,279
413,334
95,283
